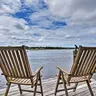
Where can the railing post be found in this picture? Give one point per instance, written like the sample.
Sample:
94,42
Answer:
75,52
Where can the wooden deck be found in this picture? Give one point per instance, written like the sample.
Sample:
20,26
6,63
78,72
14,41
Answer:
49,87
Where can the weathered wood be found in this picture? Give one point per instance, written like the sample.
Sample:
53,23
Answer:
49,87
15,67
57,82
20,89
90,88
64,83
82,69
7,90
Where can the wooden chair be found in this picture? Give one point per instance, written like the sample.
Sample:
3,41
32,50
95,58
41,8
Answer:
16,69
82,70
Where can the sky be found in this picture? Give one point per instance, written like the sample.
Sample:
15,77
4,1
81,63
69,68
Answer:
56,23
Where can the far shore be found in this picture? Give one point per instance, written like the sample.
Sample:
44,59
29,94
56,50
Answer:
48,48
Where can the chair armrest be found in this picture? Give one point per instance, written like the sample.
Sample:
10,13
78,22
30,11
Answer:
37,71
64,71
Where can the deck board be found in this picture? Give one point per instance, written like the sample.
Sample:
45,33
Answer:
49,88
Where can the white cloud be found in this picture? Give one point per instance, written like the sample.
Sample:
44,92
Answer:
35,4
41,18
10,23
31,2
12,27
5,9
9,6
65,36
77,12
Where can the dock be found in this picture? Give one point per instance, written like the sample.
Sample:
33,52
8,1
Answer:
49,88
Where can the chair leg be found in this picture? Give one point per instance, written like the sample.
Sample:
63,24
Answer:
65,88
64,83
20,89
57,83
89,88
35,87
75,87
7,90
40,85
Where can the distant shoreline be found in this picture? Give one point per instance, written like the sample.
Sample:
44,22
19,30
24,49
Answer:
43,48
48,48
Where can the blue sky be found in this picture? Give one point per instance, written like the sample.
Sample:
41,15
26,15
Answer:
48,22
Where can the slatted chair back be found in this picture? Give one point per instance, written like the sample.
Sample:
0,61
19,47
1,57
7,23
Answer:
85,62
14,62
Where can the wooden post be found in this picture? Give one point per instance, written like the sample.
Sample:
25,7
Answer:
74,53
